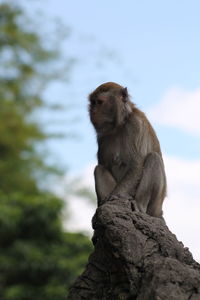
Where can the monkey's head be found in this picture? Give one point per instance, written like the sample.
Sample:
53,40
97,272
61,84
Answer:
109,107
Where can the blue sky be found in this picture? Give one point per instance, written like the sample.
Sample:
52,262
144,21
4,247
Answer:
153,48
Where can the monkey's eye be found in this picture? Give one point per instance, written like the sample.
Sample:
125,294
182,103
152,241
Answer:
99,101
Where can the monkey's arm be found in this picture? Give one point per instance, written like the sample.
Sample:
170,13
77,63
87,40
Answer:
104,183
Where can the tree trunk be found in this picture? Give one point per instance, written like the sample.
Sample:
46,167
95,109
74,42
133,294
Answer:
135,257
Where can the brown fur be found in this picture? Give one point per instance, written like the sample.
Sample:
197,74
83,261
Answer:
129,157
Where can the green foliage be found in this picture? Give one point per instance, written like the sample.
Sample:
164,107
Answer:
38,259
24,73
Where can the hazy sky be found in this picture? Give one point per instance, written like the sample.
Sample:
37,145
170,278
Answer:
153,48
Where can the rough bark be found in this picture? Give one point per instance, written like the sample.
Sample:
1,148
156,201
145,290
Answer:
135,257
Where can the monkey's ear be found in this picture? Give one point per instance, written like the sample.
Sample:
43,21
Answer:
124,93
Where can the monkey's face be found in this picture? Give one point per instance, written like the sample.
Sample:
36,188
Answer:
109,109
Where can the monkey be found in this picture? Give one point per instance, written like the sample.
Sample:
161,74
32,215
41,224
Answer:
130,162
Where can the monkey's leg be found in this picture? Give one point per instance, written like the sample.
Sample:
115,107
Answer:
104,183
152,187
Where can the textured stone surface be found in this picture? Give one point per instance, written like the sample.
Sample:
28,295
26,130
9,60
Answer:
135,257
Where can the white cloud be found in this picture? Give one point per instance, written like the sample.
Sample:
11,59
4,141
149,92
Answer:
80,210
81,213
179,108
182,206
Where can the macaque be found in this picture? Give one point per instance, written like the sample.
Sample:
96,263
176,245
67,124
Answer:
130,161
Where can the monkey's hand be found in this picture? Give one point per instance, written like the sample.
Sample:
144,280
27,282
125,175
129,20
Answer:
110,198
